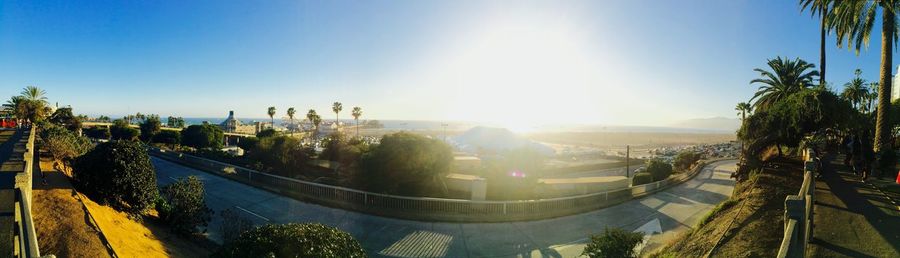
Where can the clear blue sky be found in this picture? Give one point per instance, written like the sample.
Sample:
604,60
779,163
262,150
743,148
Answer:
615,62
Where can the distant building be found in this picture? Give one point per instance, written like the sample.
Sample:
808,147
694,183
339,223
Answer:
232,125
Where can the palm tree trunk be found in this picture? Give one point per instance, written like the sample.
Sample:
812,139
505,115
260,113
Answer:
822,48
357,128
882,125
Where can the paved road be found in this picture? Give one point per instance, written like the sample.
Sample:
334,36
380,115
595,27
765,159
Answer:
673,210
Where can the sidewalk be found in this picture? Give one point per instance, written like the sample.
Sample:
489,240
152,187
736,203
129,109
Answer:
852,218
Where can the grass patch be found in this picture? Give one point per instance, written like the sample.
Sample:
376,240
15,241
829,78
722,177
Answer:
709,216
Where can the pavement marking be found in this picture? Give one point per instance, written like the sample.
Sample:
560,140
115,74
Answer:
252,213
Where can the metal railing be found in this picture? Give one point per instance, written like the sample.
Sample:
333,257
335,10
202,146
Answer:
423,208
798,211
24,233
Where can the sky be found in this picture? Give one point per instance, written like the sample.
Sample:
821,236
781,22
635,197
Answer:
516,63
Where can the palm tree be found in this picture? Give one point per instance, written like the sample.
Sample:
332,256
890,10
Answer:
33,93
787,77
17,107
291,113
856,91
872,98
337,107
272,116
821,8
314,120
356,113
743,109
853,22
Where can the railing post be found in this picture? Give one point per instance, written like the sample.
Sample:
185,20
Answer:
795,208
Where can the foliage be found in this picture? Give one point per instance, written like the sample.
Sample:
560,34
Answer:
339,149
282,154
406,164
685,159
150,127
374,124
120,130
233,225
63,144
248,144
786,78
293,240
31,104
175,122
642,178
100,132
118,173
267,133
182,206
202,136
64,117
613,243
658,169
167,137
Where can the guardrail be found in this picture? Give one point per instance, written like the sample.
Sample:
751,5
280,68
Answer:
798,212
422,208
24,234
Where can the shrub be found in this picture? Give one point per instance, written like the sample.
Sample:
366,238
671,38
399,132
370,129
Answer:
64,117
293,240
658,169
407,164
167,137
267,133
118,173
685,159
233,225
613,243
282,154
248,144
202,136
150,127
182,206
642,178
339,149
101,132
121,131
63,145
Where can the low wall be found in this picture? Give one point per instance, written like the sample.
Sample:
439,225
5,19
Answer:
422,208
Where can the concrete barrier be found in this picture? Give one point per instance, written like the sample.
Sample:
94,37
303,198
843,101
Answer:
422,208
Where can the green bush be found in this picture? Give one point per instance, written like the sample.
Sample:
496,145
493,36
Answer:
406,164
685,159
118,173
64,117
101,132
293,240
121,131
613,243
167,137
659,169
63,145
248,144
267,133
202,136
282,154
642,178
182,206
150,127
342,150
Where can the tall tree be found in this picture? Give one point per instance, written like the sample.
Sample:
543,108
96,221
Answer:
820,8
272,116
743,109
786,78
856,91
337,107
314,119
290,112
356,113
853,22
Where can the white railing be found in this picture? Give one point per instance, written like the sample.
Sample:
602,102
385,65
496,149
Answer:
798,211
24,233
422,208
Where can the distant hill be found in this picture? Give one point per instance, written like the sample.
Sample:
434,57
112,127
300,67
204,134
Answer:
714,124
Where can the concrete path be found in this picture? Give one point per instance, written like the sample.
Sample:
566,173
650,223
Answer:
852,218
674,210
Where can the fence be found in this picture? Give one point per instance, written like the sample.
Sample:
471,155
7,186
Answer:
423,208
798,211
24,235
